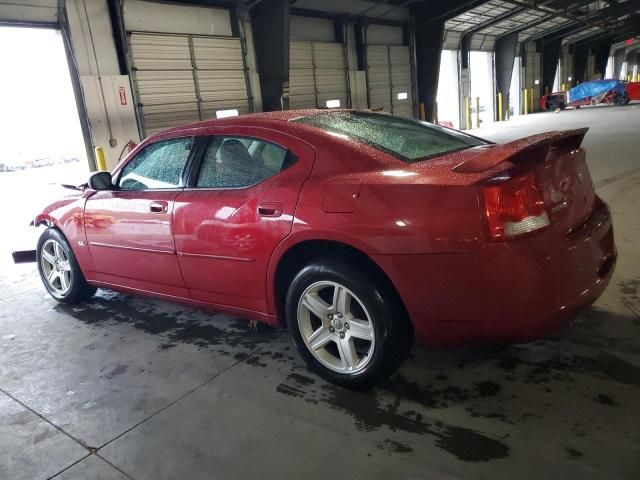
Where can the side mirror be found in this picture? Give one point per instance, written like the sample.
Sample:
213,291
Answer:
100,181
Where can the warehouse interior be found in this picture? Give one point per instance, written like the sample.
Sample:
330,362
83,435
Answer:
122,387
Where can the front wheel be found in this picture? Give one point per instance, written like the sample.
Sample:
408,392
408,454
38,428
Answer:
345,325
59,269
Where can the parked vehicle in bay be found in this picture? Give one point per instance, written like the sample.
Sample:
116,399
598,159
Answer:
595,92
359,231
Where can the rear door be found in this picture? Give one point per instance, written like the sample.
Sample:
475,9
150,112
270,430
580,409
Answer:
129,229
239,204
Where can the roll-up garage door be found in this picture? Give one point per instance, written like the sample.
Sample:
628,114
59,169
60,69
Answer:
317,75
389,79
185,78
29,11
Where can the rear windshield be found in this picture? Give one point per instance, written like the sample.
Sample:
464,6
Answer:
409,140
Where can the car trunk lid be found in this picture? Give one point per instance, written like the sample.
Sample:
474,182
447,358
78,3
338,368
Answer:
560,170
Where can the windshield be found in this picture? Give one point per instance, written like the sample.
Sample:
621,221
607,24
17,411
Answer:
409,140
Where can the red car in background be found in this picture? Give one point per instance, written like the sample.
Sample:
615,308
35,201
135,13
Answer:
558,100
359,231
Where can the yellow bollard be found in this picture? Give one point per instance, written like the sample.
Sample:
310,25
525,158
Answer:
531,109
467,109
526,101
101,163
499,106
477,112
422,115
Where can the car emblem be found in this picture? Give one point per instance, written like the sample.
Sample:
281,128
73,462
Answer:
579,175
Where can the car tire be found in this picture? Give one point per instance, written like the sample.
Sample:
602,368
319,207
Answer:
59,269
622,99
354,348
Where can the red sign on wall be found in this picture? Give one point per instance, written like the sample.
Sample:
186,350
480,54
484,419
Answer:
123,96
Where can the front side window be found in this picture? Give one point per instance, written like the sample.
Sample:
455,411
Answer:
157,166
406,139
236,162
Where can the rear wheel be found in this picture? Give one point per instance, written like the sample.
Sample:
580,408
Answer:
59,269
622,99
345,326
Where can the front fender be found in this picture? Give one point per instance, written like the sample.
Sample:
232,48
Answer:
67,215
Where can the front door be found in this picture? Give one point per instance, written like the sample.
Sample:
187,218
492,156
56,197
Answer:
235,211
129,229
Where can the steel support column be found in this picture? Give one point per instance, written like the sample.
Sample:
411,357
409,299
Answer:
580,59
270,20
360,29
505,54
550,56
428,43
601,54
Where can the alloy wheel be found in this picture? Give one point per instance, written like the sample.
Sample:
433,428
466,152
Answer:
336,327
56,268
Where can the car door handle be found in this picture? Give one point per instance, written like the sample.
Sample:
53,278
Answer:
158,207
270,209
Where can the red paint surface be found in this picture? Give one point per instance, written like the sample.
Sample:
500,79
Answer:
422,224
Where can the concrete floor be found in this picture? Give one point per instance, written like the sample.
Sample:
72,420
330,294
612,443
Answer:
121,387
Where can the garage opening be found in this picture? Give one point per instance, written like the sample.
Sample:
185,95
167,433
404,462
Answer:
42,144
448,97
514,89
482,88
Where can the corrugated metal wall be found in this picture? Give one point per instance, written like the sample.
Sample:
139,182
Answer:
185,78
317,74
533,72
390,79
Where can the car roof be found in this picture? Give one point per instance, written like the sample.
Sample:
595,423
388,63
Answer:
255,119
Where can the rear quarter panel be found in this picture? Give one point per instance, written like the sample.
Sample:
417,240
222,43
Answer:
393,208
390,207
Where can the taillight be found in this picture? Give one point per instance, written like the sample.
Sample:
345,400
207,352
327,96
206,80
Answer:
514,207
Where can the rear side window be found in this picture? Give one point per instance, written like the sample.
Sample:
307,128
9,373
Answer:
159,165
236,162
408,140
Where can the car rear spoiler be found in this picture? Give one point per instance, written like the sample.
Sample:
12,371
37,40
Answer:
518,150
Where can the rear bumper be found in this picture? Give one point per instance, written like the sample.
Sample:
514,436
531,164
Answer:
507,291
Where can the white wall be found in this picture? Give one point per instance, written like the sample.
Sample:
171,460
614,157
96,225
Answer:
311,29
384,35
96,60
147,16
29,10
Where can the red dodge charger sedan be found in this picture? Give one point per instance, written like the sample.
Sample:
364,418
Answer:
359,231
